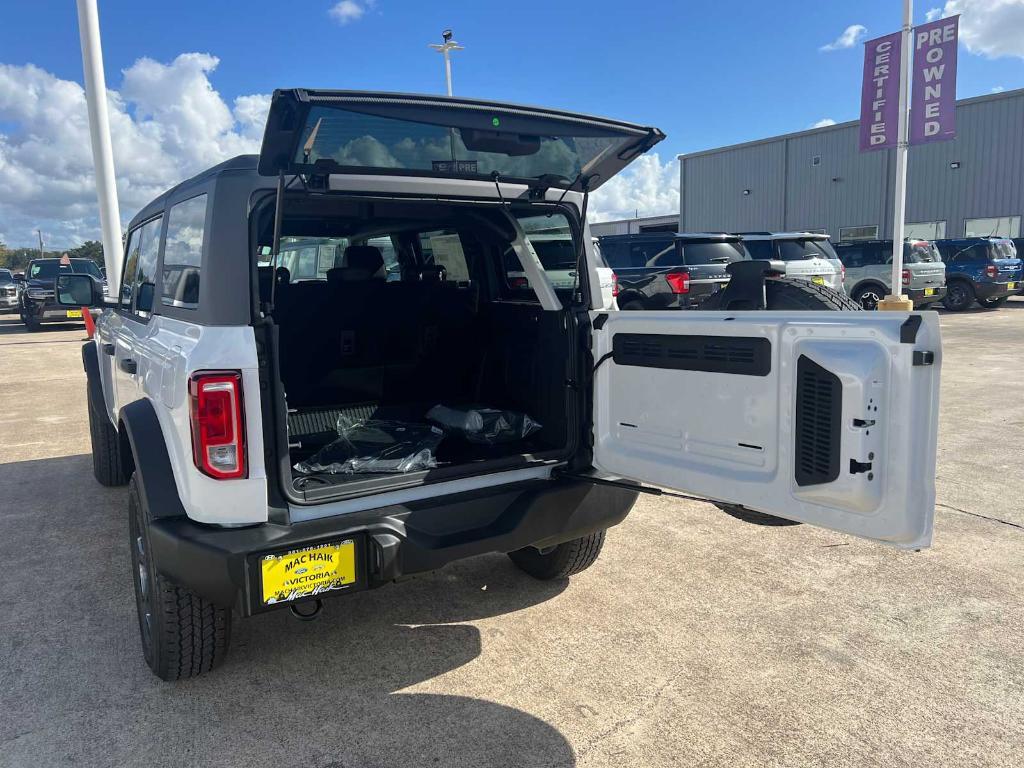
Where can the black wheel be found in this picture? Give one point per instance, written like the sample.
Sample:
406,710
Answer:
182,634
562,560
30,322
632,305
959,296
753,516
993,303
787,293
106,457
868,296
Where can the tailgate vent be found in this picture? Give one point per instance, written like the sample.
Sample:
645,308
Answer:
750,356
819,406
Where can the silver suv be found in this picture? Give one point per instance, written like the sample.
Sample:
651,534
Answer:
869,271
807,255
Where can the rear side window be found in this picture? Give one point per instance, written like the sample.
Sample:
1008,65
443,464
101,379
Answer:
183,253
131,266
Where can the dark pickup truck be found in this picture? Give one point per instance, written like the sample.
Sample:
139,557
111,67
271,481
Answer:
666,270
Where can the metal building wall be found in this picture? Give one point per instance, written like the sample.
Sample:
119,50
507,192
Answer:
789,190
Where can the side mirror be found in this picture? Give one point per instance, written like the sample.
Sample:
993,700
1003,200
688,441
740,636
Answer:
144,300
19,276
77,290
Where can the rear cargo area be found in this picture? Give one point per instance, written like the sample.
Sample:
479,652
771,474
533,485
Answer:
386,310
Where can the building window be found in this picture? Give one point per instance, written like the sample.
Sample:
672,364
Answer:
846,234
926,230
997,226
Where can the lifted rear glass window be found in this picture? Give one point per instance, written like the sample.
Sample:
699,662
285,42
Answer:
355,139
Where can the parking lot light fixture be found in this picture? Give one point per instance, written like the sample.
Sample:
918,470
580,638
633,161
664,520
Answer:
445,49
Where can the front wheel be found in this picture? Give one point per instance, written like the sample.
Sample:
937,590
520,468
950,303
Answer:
183,635
560,561
30,322
959,296
993,303
868,297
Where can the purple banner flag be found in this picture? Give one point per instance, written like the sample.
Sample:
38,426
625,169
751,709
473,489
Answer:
933,100
880,93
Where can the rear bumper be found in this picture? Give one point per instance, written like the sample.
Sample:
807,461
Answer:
995,290
222,564
917,295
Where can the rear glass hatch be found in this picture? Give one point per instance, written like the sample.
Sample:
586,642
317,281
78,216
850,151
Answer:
326,132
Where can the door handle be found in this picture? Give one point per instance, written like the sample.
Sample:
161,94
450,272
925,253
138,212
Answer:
127,365
108,349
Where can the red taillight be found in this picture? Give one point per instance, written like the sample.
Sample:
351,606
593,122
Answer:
678,282
218,430
518,283
992,270
906,277
615,285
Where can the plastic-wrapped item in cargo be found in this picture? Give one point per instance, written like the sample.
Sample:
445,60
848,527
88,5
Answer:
485,426
376,446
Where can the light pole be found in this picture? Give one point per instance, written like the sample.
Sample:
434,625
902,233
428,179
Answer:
99,134
445,49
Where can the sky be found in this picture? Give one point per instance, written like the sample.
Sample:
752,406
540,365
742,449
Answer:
189,82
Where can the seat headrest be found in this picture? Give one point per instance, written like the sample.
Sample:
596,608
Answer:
364,257
433,273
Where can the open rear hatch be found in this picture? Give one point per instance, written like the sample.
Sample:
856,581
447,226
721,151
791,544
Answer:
313,132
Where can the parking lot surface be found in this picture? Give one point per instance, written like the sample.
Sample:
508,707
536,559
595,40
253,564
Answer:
696,639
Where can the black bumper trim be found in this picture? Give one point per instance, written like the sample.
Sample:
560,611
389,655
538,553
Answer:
221,564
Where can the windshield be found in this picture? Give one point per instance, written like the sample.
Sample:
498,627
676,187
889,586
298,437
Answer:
48,270
920,253
355,139
805,248
6,276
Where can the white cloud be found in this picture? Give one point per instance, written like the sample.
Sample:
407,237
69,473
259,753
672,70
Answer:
933,14
824,123
991,28
167,122
647,187
997,89
852,35
348,11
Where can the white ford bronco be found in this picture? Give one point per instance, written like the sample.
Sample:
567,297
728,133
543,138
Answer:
398,402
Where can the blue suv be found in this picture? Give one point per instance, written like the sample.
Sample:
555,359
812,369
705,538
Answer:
982,269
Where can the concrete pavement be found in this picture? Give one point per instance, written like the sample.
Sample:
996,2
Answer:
696,639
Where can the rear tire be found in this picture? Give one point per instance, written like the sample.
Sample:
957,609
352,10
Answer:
183,635
993,303
30,322
106,455
959,296
787,293
562,560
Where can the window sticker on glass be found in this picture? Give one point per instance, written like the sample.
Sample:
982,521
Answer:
448,253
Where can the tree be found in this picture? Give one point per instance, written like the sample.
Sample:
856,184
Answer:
90,249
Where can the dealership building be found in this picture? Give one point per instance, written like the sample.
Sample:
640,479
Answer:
818,180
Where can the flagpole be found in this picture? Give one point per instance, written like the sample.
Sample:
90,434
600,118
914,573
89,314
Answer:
99,133
896,300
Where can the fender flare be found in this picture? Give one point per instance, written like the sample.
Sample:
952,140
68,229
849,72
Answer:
94,384
153,474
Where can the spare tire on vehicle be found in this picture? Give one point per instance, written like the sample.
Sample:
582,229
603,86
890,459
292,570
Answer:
784,293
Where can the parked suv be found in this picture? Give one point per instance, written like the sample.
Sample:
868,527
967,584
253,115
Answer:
38,304
982,269
284,442
662,270
868,266
10,291
807,255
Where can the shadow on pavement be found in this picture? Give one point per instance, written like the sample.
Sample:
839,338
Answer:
322,693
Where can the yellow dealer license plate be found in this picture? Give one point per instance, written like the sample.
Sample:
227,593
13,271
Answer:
309,571
818,280
1011,286
75,313
929,291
